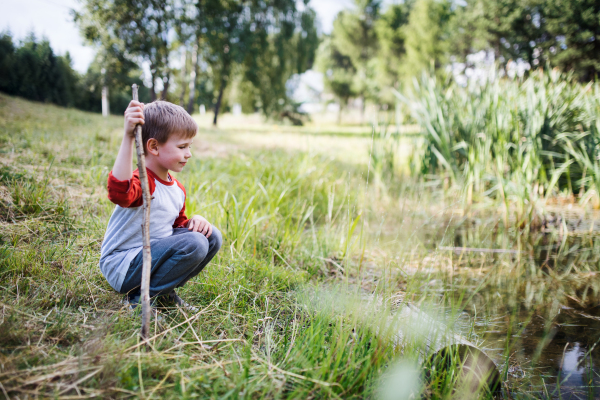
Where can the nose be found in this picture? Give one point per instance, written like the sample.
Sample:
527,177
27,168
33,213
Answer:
188,154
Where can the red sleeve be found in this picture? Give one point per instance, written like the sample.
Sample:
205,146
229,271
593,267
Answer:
127,193
181,221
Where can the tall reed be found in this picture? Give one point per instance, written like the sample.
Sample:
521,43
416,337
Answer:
517,141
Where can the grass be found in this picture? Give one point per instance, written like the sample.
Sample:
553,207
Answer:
520,141
63,331
300,301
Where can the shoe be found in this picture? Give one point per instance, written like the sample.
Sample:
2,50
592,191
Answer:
134,304
181,303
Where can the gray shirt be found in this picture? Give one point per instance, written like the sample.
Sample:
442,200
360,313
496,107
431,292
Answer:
123,238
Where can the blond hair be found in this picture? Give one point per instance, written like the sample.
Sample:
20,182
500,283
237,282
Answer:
162,119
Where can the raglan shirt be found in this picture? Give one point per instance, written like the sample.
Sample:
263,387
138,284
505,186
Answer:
123,238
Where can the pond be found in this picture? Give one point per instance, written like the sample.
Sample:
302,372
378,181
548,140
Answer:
530,297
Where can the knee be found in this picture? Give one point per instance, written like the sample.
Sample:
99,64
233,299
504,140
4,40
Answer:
197,246
216,239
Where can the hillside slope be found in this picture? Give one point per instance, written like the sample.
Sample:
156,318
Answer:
64,331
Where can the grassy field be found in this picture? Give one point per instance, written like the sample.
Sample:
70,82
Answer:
345,144
324,238
290,220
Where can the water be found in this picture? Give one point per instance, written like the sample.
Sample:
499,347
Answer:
538,302
543,305
553,354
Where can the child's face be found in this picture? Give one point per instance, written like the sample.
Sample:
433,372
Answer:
174,153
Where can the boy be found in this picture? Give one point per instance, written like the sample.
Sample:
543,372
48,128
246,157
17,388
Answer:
181,247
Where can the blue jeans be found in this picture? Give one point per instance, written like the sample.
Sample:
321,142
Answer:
175,260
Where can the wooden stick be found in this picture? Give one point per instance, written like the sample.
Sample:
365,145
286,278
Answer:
147,264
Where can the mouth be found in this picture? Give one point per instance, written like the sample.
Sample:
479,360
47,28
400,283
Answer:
182,163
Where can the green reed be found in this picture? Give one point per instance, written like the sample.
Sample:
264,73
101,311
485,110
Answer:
514,141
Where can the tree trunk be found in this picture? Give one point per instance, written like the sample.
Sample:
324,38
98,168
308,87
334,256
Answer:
166,82
194,74
362,109
105,109
152,91
398,117
219,99
183,73
339,116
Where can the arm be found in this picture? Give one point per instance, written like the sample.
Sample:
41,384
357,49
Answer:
195,224
182,220
134,115
124,188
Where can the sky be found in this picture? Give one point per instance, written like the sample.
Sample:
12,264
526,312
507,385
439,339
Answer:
52,19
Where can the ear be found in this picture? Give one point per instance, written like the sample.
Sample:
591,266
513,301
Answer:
152,146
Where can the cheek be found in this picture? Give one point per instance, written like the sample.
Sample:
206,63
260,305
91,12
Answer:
174,154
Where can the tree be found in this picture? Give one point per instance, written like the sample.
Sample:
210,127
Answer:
427,36
554,32
391,35
115,71
7,63
574,26
513,29
227,28
69,79
37,76
189,38
355,37
33,71
138,29
259,39
275,55
338,73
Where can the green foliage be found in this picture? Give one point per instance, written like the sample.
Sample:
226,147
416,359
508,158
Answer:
119,74
427,36
389,44
391,35
355,37
255,42
137,30
371,50
275,57
33,71
7,54
265,42
228,36
512,28
354,32
338,72
574,28
364,55
559,33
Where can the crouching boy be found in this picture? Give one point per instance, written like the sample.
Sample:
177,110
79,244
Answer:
181,247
